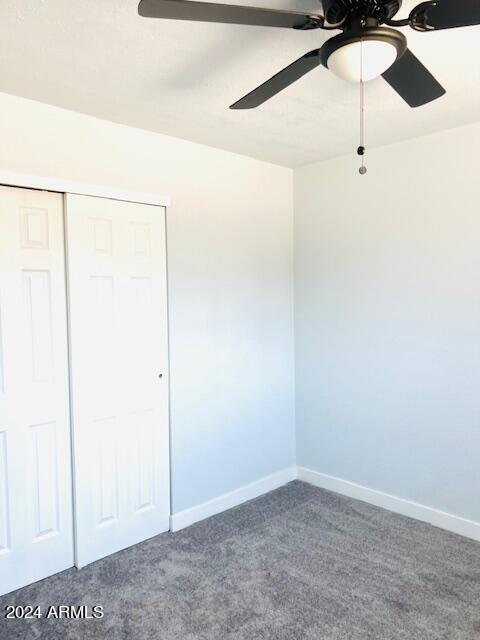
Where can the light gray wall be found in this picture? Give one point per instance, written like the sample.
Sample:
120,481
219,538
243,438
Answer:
387,304
230,266
387,310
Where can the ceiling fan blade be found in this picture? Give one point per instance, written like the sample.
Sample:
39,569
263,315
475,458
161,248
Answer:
279,81
448,14
228,14
412,81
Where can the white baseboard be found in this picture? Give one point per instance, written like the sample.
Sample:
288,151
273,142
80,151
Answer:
455,524
441,519
226,501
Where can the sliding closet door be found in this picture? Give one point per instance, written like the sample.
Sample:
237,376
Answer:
118,322
36,538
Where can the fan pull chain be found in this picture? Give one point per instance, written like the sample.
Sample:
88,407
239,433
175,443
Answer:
361,148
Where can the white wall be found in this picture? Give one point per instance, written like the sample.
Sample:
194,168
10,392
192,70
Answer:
387,309
387,303
230,277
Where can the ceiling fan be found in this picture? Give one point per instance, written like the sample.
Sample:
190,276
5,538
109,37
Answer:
363,51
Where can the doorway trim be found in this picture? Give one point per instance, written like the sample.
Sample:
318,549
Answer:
12,179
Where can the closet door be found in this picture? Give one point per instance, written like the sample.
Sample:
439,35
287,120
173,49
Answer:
36,538
118,323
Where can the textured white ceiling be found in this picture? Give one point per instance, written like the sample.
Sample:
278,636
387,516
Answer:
99,57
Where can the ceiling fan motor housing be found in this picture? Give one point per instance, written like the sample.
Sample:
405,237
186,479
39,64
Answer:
337,12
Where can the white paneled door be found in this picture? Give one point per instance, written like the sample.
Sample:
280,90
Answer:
36,538
119,366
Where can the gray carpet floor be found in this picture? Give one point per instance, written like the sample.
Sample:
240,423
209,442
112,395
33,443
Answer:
299,563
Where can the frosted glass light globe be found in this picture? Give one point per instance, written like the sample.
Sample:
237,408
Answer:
372,57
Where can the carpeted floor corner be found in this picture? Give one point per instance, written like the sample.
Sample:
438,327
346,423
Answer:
300,563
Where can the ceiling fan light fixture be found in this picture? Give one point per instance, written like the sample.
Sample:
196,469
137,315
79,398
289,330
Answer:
362,60
364,54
